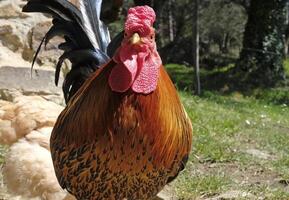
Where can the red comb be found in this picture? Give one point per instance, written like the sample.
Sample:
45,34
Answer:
140,18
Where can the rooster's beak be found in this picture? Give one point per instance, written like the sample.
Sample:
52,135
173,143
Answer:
135,39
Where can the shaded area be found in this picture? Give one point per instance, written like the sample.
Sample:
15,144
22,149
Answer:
222,80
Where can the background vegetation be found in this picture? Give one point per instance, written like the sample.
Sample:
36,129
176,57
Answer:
241,117
246,39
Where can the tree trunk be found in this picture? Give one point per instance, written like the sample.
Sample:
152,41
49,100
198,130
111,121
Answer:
261,59
286,39
171,20
196,45
225,43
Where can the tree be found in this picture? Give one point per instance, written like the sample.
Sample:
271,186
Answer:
261,58
286,39
171,20
222,25
196,45
244,3
110,10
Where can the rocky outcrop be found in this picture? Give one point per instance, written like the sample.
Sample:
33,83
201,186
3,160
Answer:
25,114
40,82
28,171
49,55
26,125
21,33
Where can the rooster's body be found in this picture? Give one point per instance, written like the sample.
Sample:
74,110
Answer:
125,145
124,134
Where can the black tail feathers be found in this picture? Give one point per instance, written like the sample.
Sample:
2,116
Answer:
79,49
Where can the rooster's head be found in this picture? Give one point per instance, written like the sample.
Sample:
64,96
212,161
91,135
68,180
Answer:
137,58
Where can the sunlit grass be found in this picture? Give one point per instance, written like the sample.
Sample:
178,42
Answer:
192,186
226,127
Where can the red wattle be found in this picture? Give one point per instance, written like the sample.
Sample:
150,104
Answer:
123,74
138,70
147,79
120,79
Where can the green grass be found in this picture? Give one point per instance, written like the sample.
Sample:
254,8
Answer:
182,76
226,129
191,187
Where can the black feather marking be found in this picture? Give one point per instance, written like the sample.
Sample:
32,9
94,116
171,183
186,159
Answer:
64,13
45,9
79,56
62,6
181,168
74,80
59,30
57,70
36,54
66,46
114,44
69,24
70,9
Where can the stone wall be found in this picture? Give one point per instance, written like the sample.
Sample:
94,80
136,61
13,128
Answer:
21,33
29,102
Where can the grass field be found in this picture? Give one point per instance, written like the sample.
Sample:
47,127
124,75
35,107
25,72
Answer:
240,146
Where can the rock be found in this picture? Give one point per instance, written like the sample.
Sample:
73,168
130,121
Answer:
7,132
14,33
19,78
25,114
258,154
9,94
233,194
9,36
10,9
48,56
75,2
28,170
15,27
54,98
168,193
5,29
21,34
5,58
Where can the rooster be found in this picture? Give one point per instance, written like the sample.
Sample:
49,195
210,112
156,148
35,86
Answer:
124,133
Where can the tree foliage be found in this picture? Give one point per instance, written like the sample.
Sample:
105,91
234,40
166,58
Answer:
221,31
251,32
261,59
223,24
